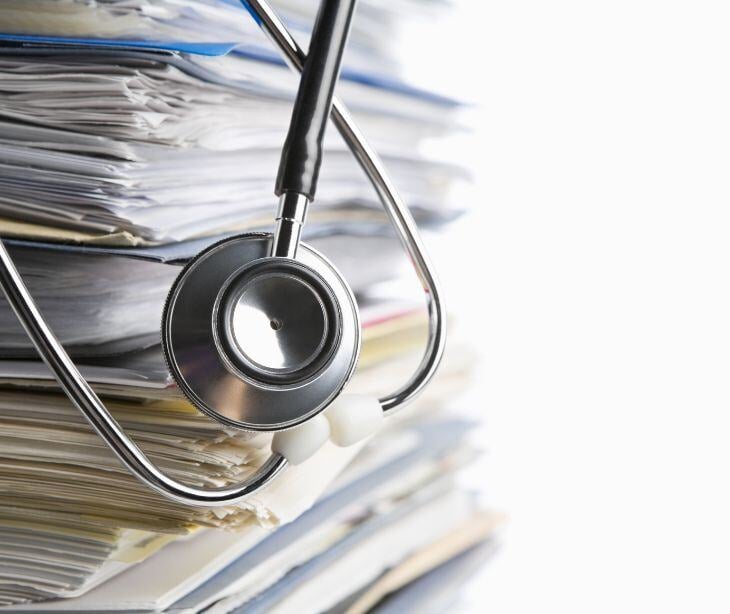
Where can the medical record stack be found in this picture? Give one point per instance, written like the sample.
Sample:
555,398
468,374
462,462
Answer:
132,135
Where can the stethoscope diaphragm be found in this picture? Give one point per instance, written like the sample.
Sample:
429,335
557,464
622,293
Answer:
260,343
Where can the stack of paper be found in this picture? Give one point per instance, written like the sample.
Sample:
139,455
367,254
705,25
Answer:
76,517
166,147
123,156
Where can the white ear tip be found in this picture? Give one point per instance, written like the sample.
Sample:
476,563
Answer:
299,443
352,418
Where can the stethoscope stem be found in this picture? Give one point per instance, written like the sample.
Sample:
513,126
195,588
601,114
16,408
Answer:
290,218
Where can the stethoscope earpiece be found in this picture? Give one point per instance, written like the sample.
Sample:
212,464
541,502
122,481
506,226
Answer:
350,419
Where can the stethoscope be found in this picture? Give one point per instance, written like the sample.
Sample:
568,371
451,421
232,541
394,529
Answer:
260,331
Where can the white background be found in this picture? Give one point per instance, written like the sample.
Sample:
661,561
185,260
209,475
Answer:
594,275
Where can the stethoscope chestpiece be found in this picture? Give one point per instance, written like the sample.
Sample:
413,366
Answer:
256,342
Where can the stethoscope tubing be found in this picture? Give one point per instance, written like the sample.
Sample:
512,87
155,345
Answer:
86,400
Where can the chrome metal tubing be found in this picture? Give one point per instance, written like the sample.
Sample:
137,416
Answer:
82,395
290,219
396,209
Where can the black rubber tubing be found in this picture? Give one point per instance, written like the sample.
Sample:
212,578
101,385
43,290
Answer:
301,156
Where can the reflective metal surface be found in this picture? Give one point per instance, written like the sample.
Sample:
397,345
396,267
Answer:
277,322
397,210
260,343
290,219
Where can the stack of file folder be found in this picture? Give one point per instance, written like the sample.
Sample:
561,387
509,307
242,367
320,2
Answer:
133,134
